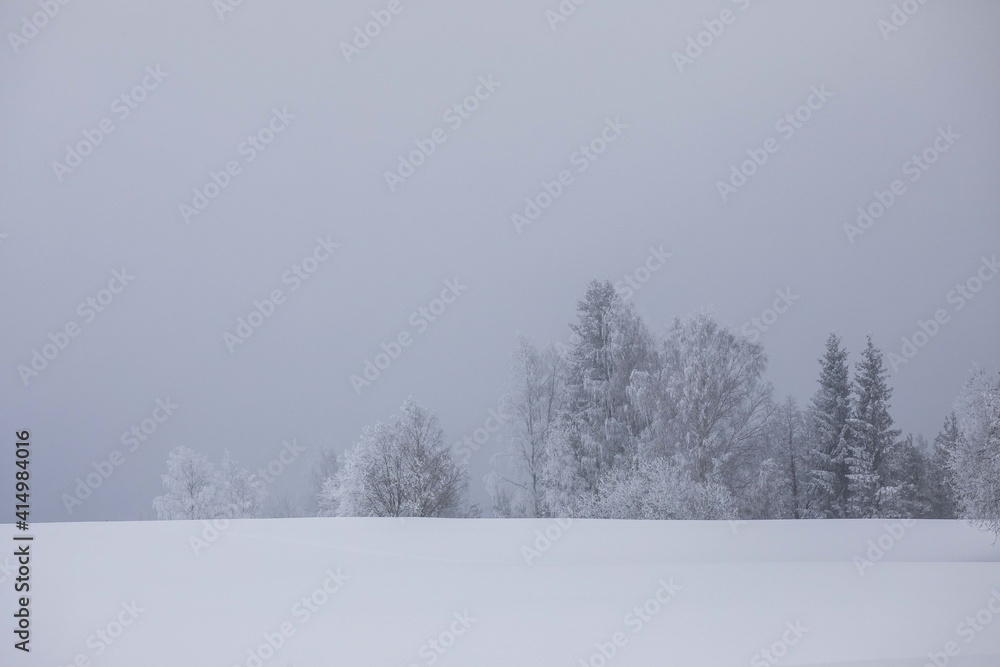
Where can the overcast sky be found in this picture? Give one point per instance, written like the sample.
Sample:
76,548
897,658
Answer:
345,119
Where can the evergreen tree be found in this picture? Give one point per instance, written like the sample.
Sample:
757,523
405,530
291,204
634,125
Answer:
827,483
599,425
789,441
871,442
907,468
941,492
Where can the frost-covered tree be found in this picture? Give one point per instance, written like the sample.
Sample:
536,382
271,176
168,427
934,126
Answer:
197,490
873,490
612,343
975,459
940,487
323,468
533,399
240,494
190,483
571,466
655,489
827,483
789,442
372,479
718,401
399,468
763,495
328,501
599,426
907,468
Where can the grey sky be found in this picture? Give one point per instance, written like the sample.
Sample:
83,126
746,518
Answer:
323,176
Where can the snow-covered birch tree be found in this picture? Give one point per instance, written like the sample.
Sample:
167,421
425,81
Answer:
191,488
399,468
533,399
975,460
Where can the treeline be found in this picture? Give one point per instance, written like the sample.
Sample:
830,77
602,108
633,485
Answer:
625,424
622,423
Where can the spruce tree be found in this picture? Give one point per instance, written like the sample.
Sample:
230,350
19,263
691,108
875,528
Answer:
827,482
907,468
941,491
871,441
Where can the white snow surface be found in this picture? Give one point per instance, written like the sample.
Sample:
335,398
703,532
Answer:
739,587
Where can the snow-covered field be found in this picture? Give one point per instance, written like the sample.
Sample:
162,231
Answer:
390,592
